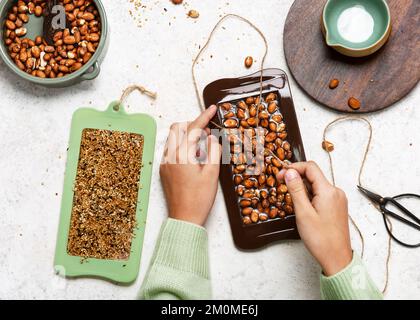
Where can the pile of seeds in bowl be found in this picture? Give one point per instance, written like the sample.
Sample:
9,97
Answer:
72,47
105,195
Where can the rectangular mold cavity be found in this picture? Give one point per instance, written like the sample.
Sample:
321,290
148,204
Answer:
256,235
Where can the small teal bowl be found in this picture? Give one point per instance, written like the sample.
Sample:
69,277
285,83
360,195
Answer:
371,17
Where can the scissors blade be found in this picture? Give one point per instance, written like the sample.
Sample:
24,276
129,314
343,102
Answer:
372,196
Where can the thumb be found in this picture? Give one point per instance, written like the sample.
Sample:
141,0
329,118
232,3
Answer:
298,192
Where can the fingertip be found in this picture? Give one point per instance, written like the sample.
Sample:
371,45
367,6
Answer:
298,192
203,120
280,175
291,175
212,110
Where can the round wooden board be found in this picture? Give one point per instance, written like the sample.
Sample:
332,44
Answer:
377,81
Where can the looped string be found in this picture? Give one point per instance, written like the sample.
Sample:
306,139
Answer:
361,170
133,88
231,15
367,147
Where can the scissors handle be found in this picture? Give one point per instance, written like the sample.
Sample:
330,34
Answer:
394,201
404,209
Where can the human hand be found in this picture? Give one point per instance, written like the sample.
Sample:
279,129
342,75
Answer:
190,184
323,221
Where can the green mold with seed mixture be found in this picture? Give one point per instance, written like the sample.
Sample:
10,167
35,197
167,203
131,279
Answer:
116,119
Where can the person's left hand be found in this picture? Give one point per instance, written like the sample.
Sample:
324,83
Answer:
190,185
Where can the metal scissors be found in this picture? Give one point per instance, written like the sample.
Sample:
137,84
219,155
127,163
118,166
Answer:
383,202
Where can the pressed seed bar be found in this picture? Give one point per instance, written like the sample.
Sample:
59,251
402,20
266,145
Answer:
105,195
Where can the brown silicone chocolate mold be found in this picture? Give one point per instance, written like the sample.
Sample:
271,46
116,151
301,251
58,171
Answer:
232,90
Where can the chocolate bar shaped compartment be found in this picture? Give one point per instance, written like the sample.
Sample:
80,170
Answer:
257,224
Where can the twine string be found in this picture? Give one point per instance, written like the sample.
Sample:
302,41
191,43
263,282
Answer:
209,38
129,90
361,171
284,164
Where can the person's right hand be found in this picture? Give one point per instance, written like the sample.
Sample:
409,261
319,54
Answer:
323,221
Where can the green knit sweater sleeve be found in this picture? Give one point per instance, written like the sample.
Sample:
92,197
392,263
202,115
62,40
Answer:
179,269
353,283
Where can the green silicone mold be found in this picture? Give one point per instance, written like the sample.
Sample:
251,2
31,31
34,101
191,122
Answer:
116,119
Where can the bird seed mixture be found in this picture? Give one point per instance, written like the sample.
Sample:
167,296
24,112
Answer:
105,195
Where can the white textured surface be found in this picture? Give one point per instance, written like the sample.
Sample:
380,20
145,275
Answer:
34,130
